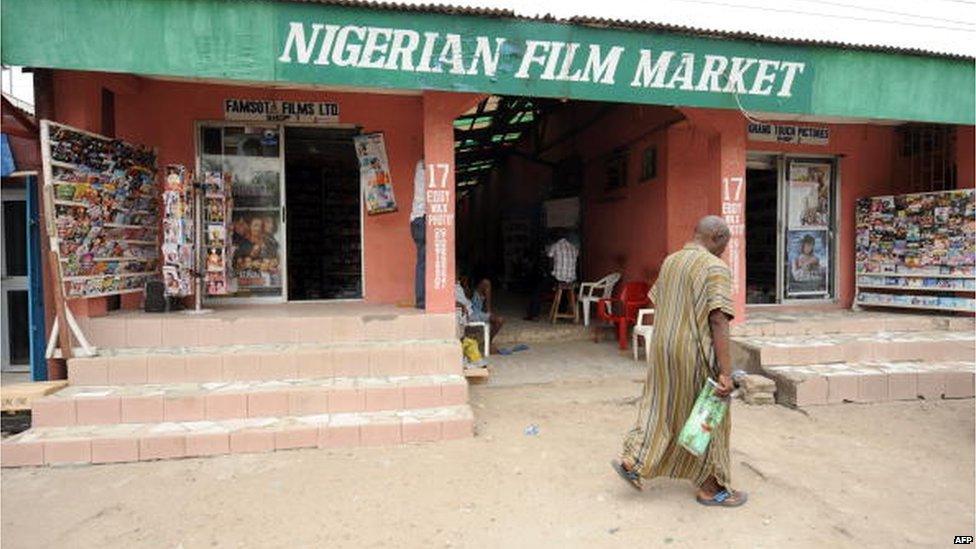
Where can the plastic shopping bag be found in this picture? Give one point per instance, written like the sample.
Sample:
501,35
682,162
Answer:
706,416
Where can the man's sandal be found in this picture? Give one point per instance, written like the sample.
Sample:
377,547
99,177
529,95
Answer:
724,498
631,477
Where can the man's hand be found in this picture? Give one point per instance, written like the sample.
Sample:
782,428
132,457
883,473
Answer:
725,385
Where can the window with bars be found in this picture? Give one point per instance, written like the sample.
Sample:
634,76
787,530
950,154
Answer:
929,154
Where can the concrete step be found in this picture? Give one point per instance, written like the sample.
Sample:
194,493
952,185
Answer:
754,353
848,322
152,441
396,357
270,325
872,381
104,405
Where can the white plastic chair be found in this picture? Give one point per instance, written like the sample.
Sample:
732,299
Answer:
592,292
463,324
644,331
485,330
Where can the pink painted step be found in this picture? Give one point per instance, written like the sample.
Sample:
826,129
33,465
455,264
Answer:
848,322
267,362
268,325
750,353
95,405
872,382
152,441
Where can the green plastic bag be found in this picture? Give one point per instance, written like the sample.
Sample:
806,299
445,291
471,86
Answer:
705,417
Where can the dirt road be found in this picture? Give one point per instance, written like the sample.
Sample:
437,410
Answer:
897,474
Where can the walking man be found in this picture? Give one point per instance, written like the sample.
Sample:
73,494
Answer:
693,302
418,231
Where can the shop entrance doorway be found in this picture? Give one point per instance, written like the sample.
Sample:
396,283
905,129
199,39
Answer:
790,228
322,214
762,207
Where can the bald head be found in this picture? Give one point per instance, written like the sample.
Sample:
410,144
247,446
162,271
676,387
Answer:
713,233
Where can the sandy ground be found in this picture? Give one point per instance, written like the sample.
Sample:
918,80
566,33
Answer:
899,474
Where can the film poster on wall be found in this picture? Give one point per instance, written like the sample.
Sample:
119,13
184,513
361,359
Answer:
178,232
808,257
809,197
216,214
374,173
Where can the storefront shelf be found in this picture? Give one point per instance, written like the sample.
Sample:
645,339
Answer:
926,307
914,275
104,294
914,288
93,277
140,242
122,226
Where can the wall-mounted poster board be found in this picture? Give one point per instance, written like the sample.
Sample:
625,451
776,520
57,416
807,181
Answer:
178,231
917,251
101,208
374,173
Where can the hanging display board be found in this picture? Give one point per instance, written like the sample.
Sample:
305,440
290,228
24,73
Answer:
178,231
374,173
217,215
917,251
808,229
101,205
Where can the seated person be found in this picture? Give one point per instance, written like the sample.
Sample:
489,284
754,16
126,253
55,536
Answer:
478,307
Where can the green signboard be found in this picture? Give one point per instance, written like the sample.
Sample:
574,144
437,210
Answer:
268,41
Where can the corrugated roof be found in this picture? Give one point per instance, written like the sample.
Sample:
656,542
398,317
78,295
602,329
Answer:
633,15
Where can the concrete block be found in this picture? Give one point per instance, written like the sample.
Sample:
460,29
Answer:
350,361
421,396
858,351
313,329
252,440
98,410
142,409
108,333
959,384
842,387
202,368
453,394
225,406
88,371
19,454
314,364
380,327
179,332
278,366
416,359
296,437
440,326
184,408
872,387
67,450
410,326
242,367
902,386
267,404
207,443
384,398
143,332
457,428
380,433
308,401
52,412
448,359
386,360
127,370
414,430
338,436
166,369
754,383
759,398
771,355
281,330
347,399
162,446
931,384
347,329
115,450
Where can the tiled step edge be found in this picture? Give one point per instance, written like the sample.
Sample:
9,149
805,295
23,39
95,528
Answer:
96,405
898,347
267,362
866,325
871,382
145,442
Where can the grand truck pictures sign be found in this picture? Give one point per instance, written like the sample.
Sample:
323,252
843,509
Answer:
407,50
340,46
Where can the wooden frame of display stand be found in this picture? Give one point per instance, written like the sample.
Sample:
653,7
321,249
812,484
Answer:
913,290
65,325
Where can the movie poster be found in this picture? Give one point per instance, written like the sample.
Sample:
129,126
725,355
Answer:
809,195
216,215
178,234
374,173
808,259
255,239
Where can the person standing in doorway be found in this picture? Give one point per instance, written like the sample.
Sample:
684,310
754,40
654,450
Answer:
693,302
418,231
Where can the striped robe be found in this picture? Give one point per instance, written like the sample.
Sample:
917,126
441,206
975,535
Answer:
692,283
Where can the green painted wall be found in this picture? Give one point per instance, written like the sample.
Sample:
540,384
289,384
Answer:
243,40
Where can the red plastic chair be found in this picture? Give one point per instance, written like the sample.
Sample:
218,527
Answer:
621,311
